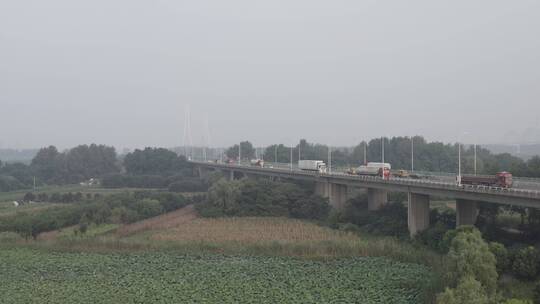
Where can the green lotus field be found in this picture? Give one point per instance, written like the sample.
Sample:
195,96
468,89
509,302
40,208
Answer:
40,276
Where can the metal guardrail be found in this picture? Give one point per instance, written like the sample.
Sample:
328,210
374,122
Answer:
400,181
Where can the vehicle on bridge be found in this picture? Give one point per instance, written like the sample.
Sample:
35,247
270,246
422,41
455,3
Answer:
312,165
501,179
401,173
257,163
372,169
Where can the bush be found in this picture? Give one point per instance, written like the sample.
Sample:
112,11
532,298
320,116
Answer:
501,255
147,208
525,263
349,227
313,207
434,237
29,197
469,290
391,220
356,211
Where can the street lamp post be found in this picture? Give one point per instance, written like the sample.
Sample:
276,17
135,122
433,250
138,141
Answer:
365,152
459,164
329,159
299,151
412,153
382,148
475,159
291,157
240,153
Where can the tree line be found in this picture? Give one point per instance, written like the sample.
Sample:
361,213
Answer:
148,168
154,167
428,156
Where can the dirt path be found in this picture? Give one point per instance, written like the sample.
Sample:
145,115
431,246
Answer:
165,221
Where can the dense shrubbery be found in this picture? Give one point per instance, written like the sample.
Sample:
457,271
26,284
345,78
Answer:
250,197
175,183
525,263
391,219
119,208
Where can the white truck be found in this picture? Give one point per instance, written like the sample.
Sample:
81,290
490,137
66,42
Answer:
373,169
312,165
257,163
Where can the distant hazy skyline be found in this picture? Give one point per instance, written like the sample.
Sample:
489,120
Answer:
121,72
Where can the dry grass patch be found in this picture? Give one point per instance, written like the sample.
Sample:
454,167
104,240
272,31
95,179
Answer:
250,230
165,221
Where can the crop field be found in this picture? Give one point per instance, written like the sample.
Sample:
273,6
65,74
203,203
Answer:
251,230
39,276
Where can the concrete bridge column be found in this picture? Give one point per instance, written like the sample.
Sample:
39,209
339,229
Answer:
202,172
418,213
338,195
376,198
466,212
231,175
322,189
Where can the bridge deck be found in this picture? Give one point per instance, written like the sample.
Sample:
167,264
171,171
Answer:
512,196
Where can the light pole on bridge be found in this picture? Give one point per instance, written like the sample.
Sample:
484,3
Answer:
412,153
365,153
291,157
382,148
329,159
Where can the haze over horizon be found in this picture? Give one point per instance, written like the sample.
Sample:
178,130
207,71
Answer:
122,72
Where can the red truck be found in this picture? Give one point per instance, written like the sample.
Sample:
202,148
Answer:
501,179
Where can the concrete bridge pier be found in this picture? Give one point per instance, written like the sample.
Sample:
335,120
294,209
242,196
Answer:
337,194
203,172
376,198
466,212
418,213
321,188
231,175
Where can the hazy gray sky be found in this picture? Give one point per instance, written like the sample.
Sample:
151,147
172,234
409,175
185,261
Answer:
121,72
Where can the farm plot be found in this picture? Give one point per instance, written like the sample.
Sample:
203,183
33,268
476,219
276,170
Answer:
37,276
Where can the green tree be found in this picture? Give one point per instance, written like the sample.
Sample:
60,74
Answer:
501,256
247,151
225,195
533,166
468,291
525,263
156,161
469,255
46,164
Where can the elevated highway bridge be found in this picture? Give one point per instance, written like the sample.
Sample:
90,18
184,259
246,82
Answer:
335,187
